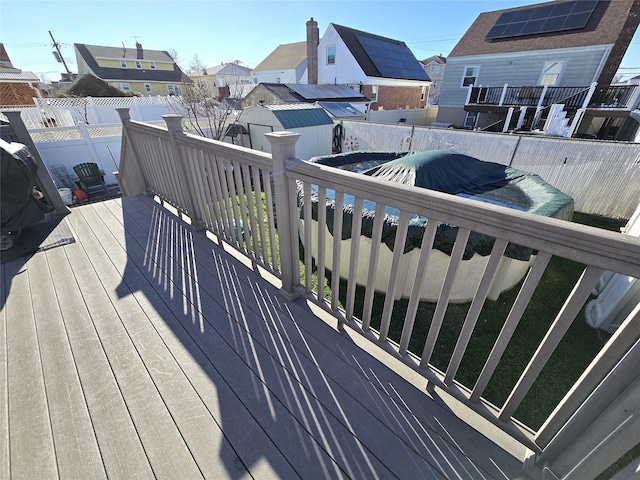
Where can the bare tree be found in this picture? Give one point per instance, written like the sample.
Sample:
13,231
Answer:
175,56
196,67
207,109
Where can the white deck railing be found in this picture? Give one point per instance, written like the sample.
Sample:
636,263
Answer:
231,191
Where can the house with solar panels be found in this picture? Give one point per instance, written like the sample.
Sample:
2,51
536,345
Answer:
383,69
545,67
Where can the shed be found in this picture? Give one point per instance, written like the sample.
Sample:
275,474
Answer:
311,121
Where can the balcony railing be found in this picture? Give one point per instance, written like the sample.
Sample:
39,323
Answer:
621,97
232,191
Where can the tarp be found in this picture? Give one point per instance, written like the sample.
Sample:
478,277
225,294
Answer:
448,172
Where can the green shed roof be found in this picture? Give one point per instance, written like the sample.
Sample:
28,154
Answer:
307,117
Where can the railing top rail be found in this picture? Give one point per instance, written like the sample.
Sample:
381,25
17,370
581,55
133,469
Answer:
581,243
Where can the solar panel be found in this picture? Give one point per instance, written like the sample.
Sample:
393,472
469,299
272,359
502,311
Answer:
543,19
393,60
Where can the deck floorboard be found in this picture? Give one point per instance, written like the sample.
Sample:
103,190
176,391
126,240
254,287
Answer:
146,350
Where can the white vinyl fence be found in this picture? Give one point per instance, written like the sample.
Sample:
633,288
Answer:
601,176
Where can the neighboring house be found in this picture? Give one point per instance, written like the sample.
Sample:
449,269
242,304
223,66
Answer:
312,123
286,64
384,70
511,65
226,80
340,101
145,72
434,66
17,87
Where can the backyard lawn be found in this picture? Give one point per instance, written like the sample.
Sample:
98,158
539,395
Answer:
580,345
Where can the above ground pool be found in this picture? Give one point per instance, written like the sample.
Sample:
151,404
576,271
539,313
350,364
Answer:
448,172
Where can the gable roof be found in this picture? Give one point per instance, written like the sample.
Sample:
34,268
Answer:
434,58
90,53
287,56
230,69
604,27
380,56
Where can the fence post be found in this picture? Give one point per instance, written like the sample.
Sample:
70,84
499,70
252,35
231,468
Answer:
134,181
174,127
84,131
283,148
45,182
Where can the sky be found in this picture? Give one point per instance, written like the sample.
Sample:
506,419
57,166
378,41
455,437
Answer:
219,31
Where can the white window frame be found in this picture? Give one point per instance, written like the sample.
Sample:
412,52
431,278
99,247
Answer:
125,87
470,72
423,93
123,63
147,88
152,65
434,68
331,54
171,89
138,64
552,70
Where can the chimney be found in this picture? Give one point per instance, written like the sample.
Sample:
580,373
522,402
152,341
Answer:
313,39
139,48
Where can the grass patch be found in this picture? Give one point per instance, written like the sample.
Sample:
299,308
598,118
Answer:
576,350
574,353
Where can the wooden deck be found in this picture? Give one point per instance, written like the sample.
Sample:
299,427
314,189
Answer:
144,350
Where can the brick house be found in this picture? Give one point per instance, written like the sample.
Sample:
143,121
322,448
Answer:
383,69
17,87
512,65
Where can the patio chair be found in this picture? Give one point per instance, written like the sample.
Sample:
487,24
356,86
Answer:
89,176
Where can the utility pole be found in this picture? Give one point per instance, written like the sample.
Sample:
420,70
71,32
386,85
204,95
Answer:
57,47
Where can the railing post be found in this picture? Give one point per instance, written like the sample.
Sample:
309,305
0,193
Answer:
283,148
134,180
507,122
587,99
466,102
174,127
45,182
542,95
504,94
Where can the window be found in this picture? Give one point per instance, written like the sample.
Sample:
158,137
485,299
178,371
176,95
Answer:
470,119
138,65
470,76
374,93
331,54
147,88
125,87
152,65
434,68
278,80
174,89
423,93
551,73
123,63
